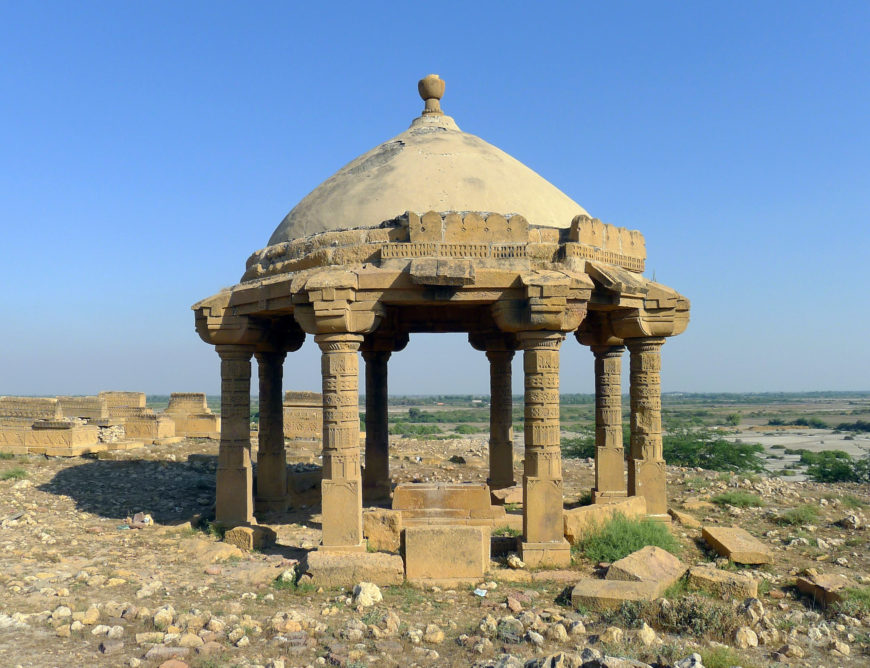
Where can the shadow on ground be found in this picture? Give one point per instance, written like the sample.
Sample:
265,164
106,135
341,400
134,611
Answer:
172,492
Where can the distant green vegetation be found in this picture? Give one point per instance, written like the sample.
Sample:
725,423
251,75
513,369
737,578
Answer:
405,429
705,449
859,426
579,447
813,423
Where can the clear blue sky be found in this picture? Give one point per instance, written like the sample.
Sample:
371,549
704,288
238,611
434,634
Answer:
146,149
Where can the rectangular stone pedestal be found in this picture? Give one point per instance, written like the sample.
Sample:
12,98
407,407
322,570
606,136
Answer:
455,553
555,554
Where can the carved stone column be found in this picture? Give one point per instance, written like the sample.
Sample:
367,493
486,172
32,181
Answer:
609,453
501,448
543,530
646,466
234,504
376,476
271,456
341,487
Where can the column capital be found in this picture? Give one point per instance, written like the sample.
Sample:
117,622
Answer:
643,344
235,352
374,356
540,339
265,356
608,351
339,342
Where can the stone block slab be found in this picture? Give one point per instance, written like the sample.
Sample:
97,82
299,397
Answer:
555,554
578,521
383,529
343,569
446,552
685,519
249,538
448,496
596,594
824,589
723,583
649,564
737,544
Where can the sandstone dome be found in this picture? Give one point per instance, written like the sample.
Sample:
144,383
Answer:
431,166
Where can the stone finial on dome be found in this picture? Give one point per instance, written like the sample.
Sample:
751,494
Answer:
431,89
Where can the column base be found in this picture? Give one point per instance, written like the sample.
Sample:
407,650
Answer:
552,554
608,496
362,547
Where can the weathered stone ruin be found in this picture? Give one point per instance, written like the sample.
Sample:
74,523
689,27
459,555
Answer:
438,231
192,416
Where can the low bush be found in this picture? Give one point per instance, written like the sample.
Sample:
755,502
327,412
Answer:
738,499
855,603
693,614
17,473
805,514
467,429
620,536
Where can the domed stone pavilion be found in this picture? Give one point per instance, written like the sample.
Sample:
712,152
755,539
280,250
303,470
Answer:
436,230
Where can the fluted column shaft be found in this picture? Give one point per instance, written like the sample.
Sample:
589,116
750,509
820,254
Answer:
646,466
501,450
609,453
542,475
271,455
234,503
341,486
376,476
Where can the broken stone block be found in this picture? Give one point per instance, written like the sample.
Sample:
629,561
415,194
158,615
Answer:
722,583
737,545
507,495
446,552
596,594
649,564
685,519
383,529
824,589
578,521
249,538
343,569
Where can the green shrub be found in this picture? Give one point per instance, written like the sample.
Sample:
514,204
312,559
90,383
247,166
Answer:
805,514
620,536
467,429
855,603
738,499
578,448
17,473
692,614
722,657
702,448
506,531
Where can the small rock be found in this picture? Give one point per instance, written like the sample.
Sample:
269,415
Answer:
557,633
691,661
515,562
366,594
111,646
745,637
535,638
646,635
433,635
612,635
